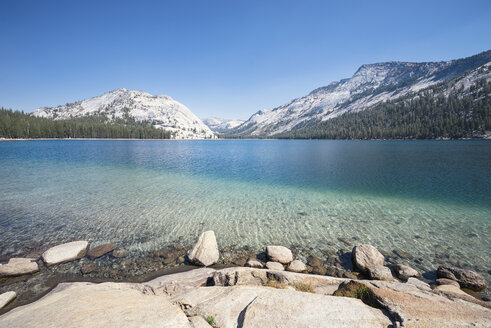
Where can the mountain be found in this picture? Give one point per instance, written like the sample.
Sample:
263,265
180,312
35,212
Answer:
132,105
222,125
455,108
371,85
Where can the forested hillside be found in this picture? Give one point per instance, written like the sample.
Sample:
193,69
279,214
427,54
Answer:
15,124
432,113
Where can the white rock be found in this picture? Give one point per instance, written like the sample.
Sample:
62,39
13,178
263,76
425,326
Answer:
86,305
259,277
296,266
286,308
275,266
405,271
237,307
366,257
65,252
18,266
445,281
205,251
253,263
174,284
6,298
450,289
380,273
198,322
418,283
279,254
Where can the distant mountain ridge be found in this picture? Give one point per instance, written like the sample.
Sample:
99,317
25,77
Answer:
371,84
221,125
162,111
452,109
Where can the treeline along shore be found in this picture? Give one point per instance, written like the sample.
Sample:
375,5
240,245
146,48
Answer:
19,125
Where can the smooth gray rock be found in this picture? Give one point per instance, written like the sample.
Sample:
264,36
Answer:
450,289
205,251
296,266
466,278
65,252
366,257
6,298
258,277
173,284
288,308
255,306
418,283
275,266
253,263
86,305
380,273
405,271
416,307
445,281
198,321
279,254
18,266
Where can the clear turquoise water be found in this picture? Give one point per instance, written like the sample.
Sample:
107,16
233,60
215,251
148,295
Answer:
423,197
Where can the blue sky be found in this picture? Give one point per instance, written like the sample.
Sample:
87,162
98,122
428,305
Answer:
219,58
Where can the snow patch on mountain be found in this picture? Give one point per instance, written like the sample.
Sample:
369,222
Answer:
162,111
221,125
371,84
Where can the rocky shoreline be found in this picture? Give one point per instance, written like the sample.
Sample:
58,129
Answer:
364,263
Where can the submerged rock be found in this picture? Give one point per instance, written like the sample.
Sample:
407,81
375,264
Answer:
405,271
296,266
275,266
402,254
366,257
100,250
119,253
466,278
380,273
314,261
89,268
18,266
344,240
279,254
65,252
6,298
205,251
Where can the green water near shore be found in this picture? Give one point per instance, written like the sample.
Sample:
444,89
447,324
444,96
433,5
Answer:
431,199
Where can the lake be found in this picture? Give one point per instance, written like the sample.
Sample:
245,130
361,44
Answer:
431,199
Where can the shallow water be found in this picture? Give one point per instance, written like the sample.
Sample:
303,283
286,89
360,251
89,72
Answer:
429,198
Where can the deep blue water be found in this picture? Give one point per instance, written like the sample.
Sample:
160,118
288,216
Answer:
421,196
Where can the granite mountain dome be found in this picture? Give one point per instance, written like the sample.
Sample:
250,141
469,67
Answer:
162,111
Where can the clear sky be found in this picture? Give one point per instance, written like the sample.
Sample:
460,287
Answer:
219,58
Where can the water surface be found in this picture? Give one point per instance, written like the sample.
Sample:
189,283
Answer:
429,198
